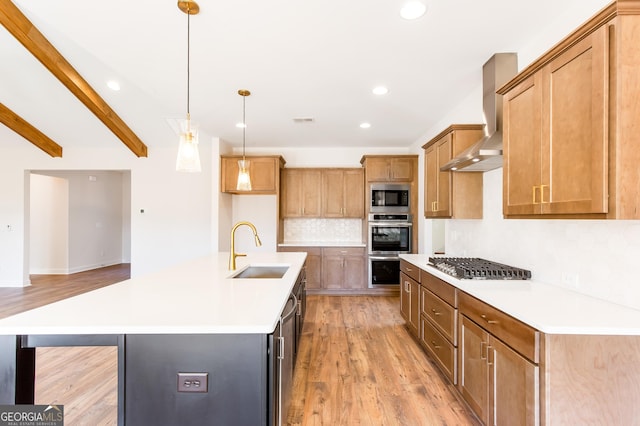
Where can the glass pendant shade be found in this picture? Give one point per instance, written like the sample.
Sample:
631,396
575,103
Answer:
188,154
244,180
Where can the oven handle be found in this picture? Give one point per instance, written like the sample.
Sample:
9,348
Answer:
383,257
391,224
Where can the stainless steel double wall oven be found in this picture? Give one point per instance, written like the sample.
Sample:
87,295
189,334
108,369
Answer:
390,228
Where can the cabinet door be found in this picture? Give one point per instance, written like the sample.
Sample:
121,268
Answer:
314,269
575,147
405,297
514,391
410,292
431,181
311,193
377,169
354,272
443,204
263,172
333,193
291,193
401,169
354,193
521,147
473,369
438,183
301,190
332,271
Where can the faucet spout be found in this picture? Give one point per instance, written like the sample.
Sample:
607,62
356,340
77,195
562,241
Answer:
232,251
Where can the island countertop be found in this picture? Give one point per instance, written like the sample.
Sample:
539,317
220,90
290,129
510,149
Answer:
548,308
195,297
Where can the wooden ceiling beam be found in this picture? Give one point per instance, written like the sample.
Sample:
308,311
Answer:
27,131
30,37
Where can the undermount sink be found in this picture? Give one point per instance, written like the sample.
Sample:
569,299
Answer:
261,271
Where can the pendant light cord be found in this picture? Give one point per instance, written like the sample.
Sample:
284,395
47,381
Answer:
188,58
244,126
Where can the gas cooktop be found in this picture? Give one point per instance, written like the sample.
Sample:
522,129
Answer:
478,269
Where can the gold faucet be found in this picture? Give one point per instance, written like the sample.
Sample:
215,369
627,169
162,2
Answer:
232,253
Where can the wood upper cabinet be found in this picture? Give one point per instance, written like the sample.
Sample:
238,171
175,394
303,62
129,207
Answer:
389,168
572,114
451,194
343,193
316,192
301,193
555,134
264,172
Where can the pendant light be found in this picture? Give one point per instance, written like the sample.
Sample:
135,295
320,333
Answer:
244,180
188,155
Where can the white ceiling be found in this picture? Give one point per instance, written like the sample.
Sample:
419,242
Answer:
299,58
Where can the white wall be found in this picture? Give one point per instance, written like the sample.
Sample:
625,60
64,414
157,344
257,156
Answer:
176,224
49,226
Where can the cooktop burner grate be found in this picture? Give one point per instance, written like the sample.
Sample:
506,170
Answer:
478,269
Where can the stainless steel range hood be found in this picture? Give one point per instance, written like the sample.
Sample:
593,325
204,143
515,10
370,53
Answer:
486,154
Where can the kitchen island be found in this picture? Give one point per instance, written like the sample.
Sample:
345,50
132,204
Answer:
527,352
219,333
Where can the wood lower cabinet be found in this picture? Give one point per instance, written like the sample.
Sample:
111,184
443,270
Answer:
448,194
264,172
439,323
343,268
313,264
333,269
410,302
499,371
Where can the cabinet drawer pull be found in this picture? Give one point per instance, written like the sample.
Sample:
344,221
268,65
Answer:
542,187
482,349
435,346
436,312
490,358
484,317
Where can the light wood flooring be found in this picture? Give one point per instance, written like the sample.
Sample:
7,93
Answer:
357,365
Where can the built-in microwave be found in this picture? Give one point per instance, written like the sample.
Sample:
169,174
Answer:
389,198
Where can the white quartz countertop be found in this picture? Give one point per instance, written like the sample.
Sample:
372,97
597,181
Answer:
548,308
192,298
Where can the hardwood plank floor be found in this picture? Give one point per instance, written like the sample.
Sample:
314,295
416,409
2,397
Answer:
357,365
45,289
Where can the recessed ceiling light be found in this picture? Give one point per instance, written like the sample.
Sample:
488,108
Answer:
113,85
380,90
413,9
365,125
241,125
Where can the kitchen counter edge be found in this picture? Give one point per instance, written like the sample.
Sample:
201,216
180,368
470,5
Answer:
548,308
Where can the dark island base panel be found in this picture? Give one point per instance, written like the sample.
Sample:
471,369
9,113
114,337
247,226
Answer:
237,379
237,365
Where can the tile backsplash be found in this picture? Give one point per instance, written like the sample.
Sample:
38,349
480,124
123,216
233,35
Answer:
301,230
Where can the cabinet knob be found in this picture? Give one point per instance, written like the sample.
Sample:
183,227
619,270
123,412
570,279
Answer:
436,312
435,346
484,317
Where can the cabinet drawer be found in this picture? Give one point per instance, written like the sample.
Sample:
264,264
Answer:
443,352
440,313
516,334
410,270
343,251
443,290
